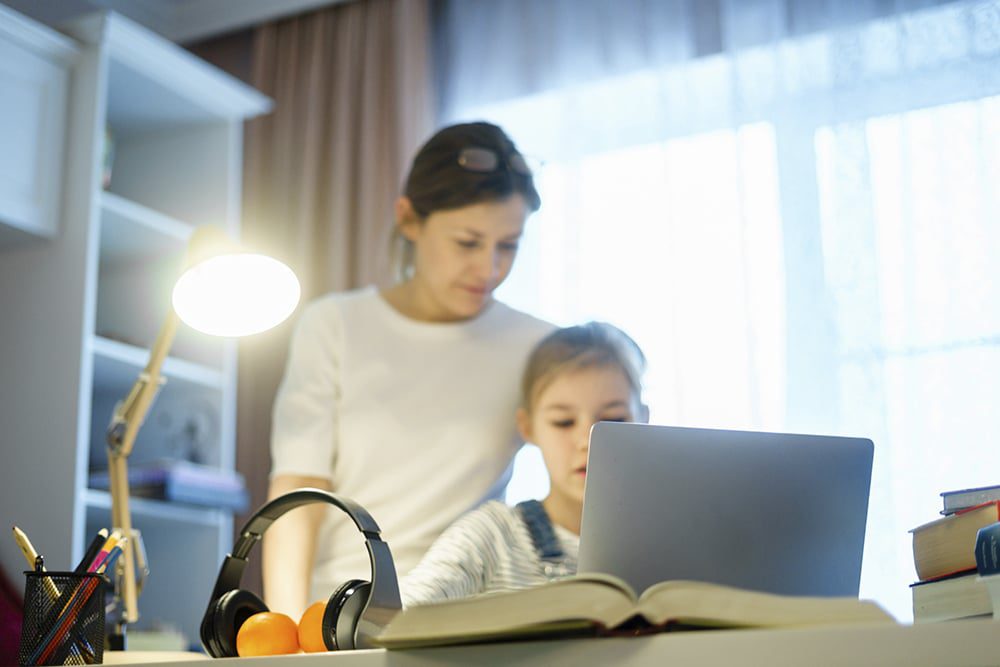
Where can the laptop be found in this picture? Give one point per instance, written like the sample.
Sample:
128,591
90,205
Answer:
774,512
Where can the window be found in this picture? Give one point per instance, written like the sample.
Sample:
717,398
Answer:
911,245
802,236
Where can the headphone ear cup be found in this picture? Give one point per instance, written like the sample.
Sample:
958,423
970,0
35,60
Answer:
231,611
340,619
207,631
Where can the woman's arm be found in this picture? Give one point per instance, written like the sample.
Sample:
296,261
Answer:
290,547
303,444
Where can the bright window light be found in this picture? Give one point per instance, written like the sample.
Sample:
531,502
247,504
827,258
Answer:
679,244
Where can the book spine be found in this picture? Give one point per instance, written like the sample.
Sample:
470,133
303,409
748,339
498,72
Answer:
988,550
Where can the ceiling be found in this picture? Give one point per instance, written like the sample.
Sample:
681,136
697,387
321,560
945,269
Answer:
181,21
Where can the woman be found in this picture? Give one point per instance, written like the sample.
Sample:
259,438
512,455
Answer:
401,399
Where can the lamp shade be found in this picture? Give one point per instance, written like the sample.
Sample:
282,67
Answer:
235,294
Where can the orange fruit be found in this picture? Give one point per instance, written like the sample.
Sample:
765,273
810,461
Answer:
311,628
267,633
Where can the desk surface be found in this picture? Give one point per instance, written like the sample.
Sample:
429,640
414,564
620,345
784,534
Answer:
971,643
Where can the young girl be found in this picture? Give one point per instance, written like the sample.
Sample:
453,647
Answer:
575,377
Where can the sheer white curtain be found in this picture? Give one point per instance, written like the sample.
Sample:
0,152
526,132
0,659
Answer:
791,205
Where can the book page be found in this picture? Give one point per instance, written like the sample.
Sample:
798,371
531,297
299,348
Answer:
602,578
568,604
700,603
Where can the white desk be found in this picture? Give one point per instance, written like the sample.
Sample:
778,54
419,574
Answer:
973,643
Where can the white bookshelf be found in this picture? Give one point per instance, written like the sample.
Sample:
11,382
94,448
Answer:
90,299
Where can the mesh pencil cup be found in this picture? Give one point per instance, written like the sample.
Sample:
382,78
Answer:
63,619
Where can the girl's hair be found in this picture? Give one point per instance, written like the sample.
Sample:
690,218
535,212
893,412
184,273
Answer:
589,345
437,182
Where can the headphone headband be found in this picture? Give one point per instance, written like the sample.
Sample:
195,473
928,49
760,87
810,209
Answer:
271,511
384,601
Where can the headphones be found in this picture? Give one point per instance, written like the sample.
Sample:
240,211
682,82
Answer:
356,612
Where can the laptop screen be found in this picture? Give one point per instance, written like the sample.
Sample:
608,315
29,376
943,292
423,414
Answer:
775,512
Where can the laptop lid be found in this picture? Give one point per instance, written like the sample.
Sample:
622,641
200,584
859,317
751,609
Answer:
774,512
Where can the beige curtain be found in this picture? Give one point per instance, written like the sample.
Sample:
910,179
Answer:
352,95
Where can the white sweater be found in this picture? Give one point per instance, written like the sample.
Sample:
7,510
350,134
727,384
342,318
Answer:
413,420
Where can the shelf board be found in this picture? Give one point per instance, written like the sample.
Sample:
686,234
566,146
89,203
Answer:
158,510
154,84
130,230
118,364
28,34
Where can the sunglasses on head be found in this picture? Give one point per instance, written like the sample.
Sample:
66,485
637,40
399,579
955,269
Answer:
485,160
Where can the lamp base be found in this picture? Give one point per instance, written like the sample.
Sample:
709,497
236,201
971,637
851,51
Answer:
116,639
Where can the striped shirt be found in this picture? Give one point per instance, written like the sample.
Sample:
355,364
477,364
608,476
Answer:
491,548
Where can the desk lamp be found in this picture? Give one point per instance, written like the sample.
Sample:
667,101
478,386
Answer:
222,291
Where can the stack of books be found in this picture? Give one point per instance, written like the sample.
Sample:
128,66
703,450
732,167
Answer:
182,482
949,585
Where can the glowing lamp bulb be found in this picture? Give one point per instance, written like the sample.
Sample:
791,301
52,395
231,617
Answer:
236,294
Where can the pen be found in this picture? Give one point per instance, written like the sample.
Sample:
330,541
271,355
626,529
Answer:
92,550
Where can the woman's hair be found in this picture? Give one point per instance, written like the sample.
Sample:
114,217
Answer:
438,182
590,345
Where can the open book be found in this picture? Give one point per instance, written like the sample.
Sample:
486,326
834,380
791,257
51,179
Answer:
603,604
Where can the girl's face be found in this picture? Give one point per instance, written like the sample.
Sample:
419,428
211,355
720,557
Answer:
561,417
462,255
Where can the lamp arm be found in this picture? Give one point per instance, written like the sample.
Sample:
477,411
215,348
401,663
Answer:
130,413
128,417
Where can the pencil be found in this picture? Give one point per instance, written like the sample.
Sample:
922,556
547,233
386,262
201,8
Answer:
30,555
92,550
109,562
109,544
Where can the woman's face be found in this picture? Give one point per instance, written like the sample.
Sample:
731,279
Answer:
562,415
462,255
